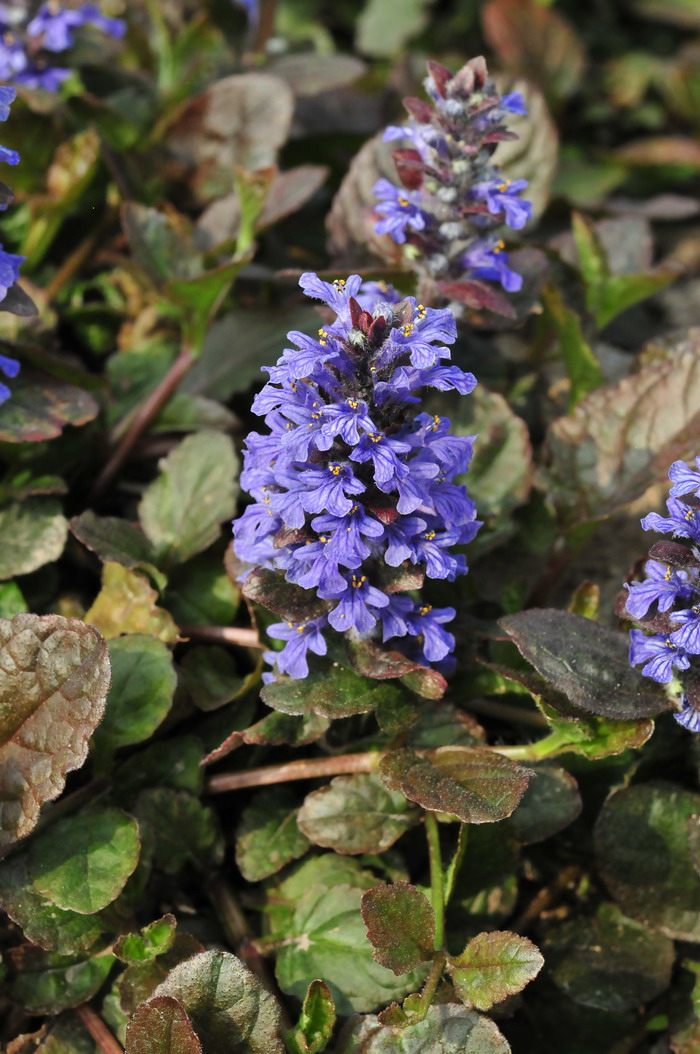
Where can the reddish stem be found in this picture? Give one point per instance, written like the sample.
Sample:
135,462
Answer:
99,1031
304,769
243,636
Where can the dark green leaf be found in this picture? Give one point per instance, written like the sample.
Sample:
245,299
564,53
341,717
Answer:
273,730
161,243
474,784
114,540
356,814
161,1026
41,406
152,941
211,677
197,297
171,763
550,803
446,1029
586,661
268,836
644,857
140,695
337,692
494,966
201,593
63,1035
180,827
82,863
181,511
47,982
54,675
34,533
315,1025
400,925
609,961
231,1011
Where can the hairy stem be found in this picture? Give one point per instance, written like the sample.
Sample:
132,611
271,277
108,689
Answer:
98,1030
432,981
304,769
143,416
455,862
437,886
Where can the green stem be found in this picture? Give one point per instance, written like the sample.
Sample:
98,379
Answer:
555,743
436,877
456,861
433,980
162,47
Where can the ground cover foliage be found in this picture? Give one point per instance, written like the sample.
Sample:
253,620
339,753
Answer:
377,857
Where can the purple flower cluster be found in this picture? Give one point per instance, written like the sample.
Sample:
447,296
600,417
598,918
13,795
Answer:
673,586
352,485
9,263
453,198
25,41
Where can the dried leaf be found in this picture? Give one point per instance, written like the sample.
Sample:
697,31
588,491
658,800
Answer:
127,604
54,675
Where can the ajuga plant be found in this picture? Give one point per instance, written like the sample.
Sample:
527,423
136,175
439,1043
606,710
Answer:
453,199
9,262
672,585
28,39
353,480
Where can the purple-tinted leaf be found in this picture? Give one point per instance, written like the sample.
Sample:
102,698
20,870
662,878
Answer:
161,1026
291,602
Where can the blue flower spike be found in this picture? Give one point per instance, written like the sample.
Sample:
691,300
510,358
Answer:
352,481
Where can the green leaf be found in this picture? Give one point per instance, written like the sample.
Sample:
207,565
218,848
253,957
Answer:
41,921
161,243
202,593
197,298
114,540
446,1029
139,981
127,604
400,925
644,856
474,784
381,36
12,601
172,763
273,730
586,661
314,913
54,675
336,692
268,837
181,511
47,982
231,1011
181,828
153,940
161,1026
34,533
494,966
63,1035
592,258
316,1021
550,803
609,961
41,406
140,695
356,814
623,291
583,368
82,863
211,676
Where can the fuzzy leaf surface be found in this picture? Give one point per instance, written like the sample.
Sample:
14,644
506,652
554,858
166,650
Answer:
161,1026
494,966
356,814
400,925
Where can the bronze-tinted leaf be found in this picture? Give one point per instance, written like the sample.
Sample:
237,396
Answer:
41,406
494,966
400,925
161,1026
356,814
54,676
472,783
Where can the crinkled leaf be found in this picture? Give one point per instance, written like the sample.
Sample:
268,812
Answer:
316,1021
620,440
211,676
126,603
537,42
494,966
643,854
41,921
54,676
381,663
268,836
153,940
182,510
239,120
551,802
586,661
446,1029
33,533
609,961
140,695
46,982
82,863
356,814
400,925
474,784
41,406
161,1026
180,827
336,692
231,1011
